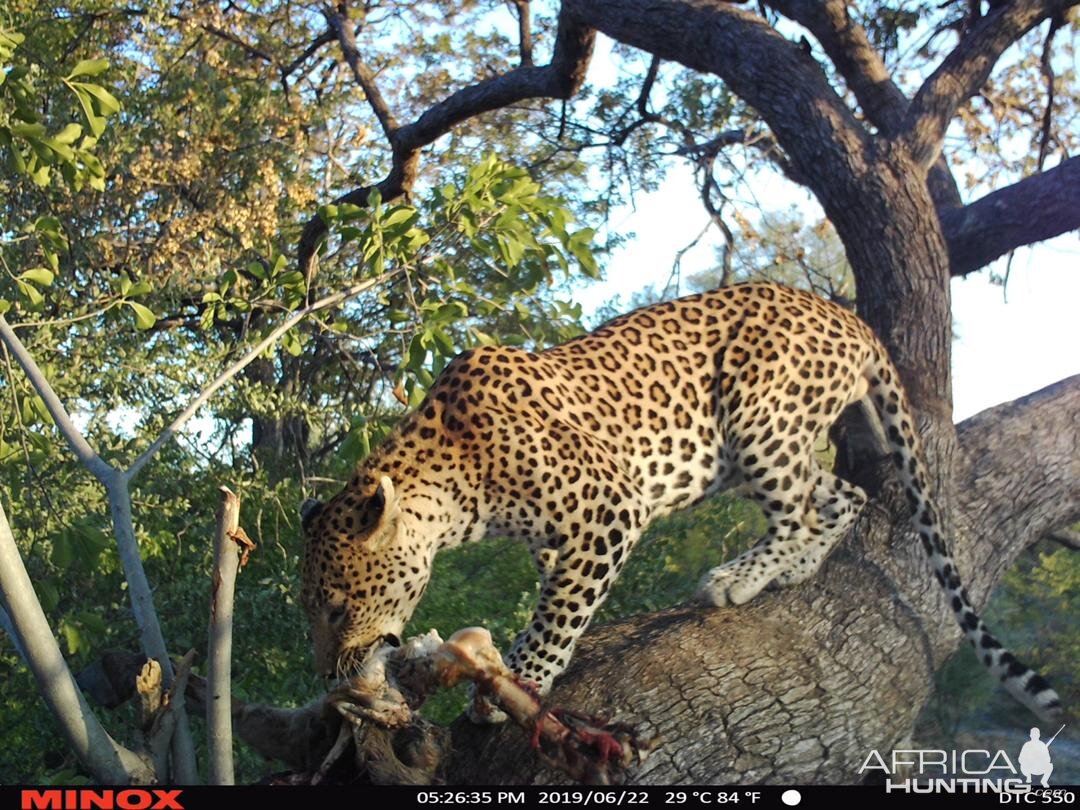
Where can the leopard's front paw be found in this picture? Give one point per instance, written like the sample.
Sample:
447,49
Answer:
732,584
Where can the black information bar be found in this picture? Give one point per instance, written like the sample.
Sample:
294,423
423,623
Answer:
962,793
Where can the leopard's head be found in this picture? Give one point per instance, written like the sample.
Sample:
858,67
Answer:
362,575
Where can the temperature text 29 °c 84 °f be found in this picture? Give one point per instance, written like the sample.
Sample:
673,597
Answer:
701,797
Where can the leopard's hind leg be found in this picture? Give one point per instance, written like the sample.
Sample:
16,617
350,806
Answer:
782,485
838,504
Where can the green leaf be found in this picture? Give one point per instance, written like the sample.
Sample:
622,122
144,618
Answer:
89,67
39,276
66,153
348,212
93,120
48,594
29,130
91,622
291,343
294,278
30,293
144,316
72,636
328,213
106,101
63,550
92,164
40,176
400,214
69,134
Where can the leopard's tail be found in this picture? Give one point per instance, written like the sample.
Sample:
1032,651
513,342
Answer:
890,403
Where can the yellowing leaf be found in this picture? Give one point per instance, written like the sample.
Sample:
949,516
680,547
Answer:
144,317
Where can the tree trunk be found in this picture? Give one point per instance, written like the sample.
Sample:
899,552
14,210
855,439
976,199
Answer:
801,684
279,441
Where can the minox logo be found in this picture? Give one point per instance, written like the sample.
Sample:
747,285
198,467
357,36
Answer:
82,799
972,771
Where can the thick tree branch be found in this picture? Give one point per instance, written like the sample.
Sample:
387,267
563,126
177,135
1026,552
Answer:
559,79
1036,208
219,734
966,69
847,46
851,52
1019,477
799,685
1068,538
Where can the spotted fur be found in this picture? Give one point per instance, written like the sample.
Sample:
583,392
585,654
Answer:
575,450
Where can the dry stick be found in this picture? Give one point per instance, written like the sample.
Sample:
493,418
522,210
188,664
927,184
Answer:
219,677
106,759
116,481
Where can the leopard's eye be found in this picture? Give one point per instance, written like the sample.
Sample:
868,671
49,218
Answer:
336,615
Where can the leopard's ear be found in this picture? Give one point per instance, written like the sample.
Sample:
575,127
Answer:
382,513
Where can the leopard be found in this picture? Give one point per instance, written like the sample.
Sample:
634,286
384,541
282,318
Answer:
576,449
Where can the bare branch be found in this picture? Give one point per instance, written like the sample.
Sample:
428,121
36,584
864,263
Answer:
1047,66
116,485
524,16
230,372
87,456
324,38
773,75
560,79
966,69
106,759
339,24
1038,207
219,676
